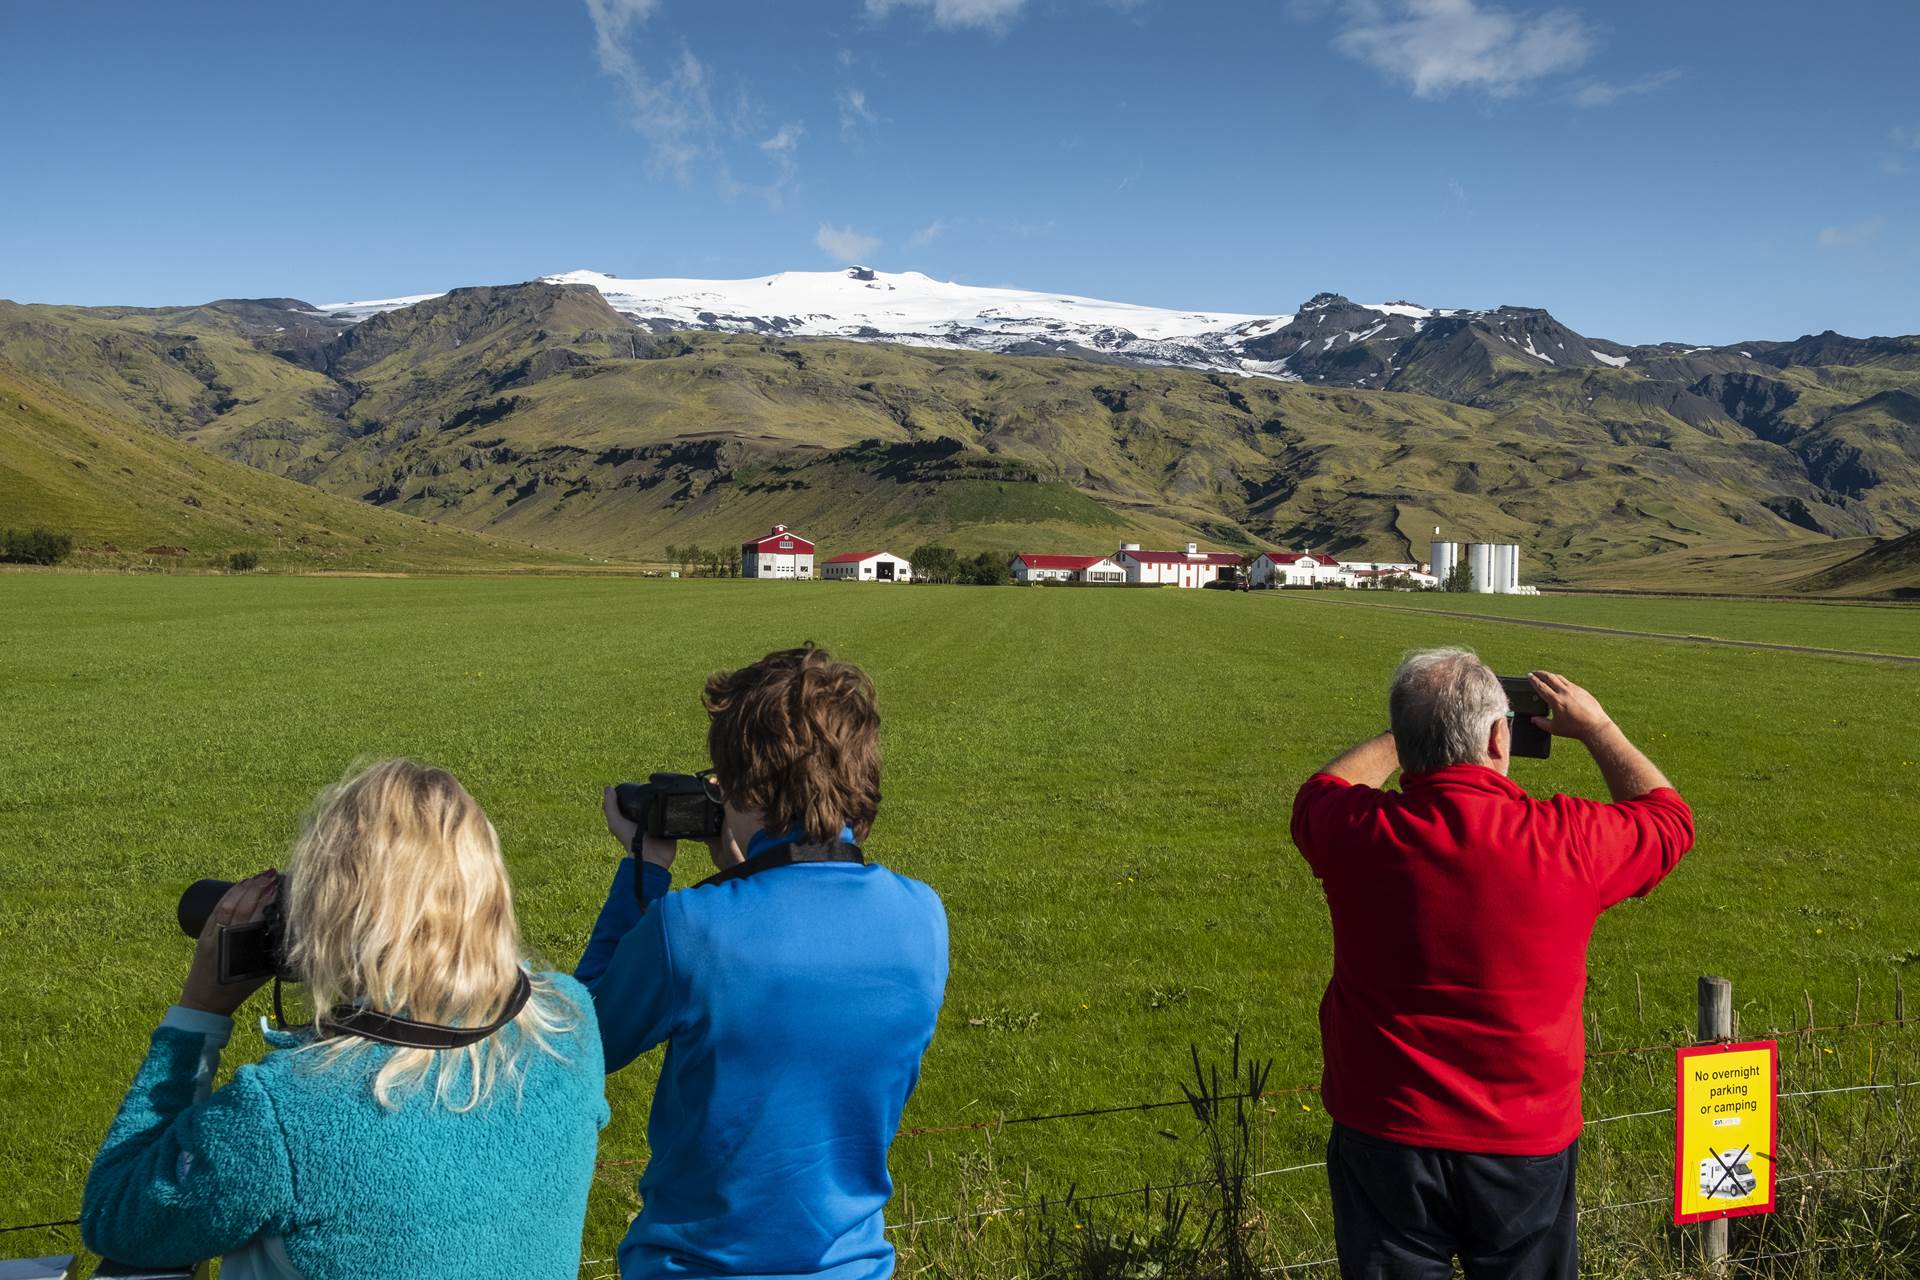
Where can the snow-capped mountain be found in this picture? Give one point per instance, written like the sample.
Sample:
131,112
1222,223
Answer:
1329,340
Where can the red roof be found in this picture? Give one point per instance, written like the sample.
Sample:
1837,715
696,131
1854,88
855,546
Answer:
1075,563
1181,557
854,557
773,540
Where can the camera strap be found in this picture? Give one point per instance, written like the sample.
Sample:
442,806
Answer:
787,855
391,1028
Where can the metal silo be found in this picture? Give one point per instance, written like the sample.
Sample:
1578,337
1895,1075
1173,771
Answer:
1441,557
1480,571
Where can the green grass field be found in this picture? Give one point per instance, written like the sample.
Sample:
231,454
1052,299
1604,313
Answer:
1879,627
1097,783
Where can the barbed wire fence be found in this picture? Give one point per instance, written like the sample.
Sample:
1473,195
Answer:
1906,1159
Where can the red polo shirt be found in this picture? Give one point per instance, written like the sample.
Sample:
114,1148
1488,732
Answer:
1461,912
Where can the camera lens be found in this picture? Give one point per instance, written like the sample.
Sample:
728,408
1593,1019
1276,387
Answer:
197,904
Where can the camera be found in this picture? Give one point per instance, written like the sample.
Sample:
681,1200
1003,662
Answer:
248,951
674,806
1529,739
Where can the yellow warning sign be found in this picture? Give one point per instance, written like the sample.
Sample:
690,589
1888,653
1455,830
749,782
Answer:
1726,1127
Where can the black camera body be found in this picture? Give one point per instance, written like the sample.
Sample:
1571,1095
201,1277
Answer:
674,806
247,952
1529,739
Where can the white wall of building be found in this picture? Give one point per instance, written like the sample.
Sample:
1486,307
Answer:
882,566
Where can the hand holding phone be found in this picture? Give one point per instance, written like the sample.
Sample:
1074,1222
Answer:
1524,702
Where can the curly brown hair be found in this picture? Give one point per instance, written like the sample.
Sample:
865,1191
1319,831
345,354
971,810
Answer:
796,738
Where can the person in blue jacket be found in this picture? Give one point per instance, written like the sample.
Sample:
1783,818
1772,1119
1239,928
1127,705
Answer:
795,990
439,1119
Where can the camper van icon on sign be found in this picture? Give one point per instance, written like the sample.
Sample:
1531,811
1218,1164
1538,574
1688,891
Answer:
1728,1177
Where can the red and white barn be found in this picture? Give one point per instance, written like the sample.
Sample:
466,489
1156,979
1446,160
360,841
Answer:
1190,568
866,566
1030,566
1297,569
781,554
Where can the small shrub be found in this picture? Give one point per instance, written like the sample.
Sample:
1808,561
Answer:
243,562
35,546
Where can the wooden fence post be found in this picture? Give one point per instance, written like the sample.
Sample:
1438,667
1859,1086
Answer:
1716,1024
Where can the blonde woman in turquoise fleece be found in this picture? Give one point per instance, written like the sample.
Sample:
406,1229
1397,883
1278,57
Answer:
335,1155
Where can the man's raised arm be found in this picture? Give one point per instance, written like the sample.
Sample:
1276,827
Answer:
1577,714
1369,765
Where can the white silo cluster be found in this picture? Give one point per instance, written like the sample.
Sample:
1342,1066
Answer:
1493,568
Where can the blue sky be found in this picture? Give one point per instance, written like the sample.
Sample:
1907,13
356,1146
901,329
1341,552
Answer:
1702,171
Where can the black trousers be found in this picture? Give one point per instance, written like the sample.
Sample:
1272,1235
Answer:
1404,1213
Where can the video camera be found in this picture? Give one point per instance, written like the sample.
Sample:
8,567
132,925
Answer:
1529,739
674,806
247,951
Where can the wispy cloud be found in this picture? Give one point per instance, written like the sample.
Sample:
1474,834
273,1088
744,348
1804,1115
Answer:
1437,47
1853,234
781,149
1602,93
844,244
673,109
928,234
989,15
854,111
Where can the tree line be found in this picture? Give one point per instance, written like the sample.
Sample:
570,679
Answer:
705,562
34,546
935,563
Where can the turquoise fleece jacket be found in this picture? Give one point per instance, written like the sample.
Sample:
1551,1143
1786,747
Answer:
304,1154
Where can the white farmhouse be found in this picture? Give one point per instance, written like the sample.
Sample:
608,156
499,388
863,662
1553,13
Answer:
781,554
866,566
1297,569
1031,566
1190,568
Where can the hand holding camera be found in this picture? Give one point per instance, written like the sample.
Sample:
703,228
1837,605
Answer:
1575,713
650,818
225,971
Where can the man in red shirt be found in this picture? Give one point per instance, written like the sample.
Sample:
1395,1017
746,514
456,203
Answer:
1451,1031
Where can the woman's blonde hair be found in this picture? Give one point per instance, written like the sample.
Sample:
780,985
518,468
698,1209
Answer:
397,899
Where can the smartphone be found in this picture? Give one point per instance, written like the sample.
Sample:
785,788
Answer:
1529,739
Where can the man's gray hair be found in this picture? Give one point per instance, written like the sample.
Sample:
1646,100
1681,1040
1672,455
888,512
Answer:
1442,703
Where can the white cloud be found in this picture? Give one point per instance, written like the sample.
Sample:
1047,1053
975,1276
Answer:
783,142
1852,235
1905,137
993,15
844,244
1458,192
854,111
927,234
674,110
1601,93
1439,46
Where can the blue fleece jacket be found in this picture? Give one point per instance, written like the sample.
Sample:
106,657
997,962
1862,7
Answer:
795,1005
304,1155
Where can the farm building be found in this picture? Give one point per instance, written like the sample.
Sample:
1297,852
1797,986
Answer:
1391,575
1296,569
1492,567
1190,568
866,566
1029,566
781,554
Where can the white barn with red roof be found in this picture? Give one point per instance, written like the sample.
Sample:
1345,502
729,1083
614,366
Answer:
1190,568
866,566
1031,566
781,554
1297,569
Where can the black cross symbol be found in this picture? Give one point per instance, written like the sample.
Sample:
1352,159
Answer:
1727,1175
